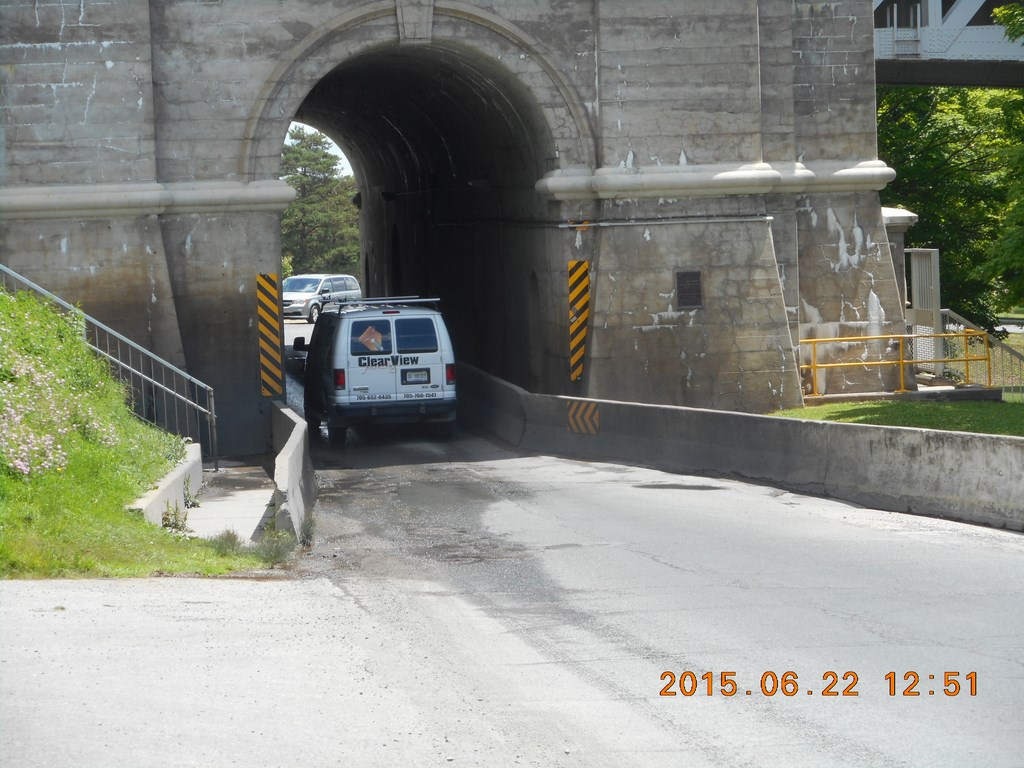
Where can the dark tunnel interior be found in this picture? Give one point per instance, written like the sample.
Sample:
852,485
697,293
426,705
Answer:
446,147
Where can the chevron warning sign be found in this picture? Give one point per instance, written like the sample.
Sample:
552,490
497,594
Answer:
584,417
579,314
268,310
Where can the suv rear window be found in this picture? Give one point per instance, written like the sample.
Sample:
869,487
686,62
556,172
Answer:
416,334
371,337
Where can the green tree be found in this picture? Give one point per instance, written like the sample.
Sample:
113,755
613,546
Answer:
1006,266
953,151
1011,17
320,229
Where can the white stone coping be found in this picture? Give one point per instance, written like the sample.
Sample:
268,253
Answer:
64,201
683,181
898,218
93,201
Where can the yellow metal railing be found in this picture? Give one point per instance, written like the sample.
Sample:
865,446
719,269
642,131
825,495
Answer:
904,343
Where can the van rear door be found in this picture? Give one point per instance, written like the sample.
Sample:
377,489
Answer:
420,368
371,362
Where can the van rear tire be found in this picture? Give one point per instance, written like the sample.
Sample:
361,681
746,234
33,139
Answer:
337,435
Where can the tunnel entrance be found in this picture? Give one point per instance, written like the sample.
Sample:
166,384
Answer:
446,146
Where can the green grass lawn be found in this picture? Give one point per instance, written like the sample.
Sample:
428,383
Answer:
994,418
73,456
74,523
1016,341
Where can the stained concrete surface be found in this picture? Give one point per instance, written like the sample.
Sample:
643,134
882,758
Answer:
238,497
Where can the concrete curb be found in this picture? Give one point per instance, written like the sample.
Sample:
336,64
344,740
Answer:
294,478
170,492
954,475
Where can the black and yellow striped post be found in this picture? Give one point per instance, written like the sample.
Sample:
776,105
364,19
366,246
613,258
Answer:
268,309
579,314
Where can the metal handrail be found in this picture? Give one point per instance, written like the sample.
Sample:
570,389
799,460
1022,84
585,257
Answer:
153,382
899,341
145,376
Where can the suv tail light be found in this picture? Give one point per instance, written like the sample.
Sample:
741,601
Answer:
339,378
449,374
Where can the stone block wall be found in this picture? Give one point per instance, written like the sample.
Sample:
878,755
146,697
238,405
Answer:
78,192
77,93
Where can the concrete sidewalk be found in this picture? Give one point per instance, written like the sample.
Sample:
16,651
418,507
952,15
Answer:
246,492
238,497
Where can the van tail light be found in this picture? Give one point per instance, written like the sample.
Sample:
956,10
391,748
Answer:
449,374
339,378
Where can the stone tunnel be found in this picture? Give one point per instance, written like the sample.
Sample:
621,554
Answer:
711,165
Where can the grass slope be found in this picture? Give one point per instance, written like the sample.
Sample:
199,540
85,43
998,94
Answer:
72,456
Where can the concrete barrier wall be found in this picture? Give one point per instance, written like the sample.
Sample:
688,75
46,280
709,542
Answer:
294,478
169,495
954,475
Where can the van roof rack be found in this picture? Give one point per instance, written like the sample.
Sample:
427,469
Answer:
384,301
394,300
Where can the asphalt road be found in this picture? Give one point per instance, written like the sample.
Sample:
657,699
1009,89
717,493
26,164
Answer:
467,605
602,578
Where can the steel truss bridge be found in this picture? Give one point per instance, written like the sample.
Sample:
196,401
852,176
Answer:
944,42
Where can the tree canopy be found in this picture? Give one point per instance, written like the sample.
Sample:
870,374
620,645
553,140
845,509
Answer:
1007,263
320,229
959,164
1011,17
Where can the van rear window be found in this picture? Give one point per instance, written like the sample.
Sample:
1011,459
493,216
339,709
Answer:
371,337
416,334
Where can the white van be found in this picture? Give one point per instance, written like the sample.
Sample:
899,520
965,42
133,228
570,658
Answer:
379,361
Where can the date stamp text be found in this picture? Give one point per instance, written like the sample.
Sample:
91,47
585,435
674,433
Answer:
789,683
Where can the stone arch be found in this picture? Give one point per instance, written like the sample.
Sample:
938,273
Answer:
571,133
450,116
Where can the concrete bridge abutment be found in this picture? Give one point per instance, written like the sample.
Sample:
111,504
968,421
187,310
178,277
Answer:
721,151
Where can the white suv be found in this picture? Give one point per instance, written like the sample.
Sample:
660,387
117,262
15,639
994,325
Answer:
307,295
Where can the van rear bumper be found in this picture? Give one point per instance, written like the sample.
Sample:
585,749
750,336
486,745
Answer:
382,413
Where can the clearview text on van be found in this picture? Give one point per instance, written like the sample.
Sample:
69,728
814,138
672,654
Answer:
379,361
